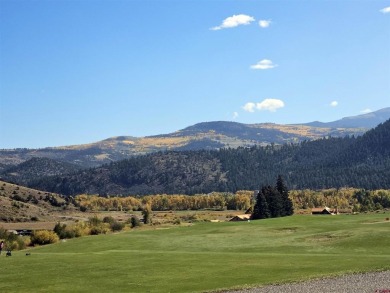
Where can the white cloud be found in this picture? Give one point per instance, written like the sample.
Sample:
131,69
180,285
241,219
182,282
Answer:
233,21
235,115
365,111
270,105
264,64
334,104
385,10
267,105
249,107
264,23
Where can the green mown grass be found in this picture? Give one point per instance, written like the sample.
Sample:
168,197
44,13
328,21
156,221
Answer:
205,256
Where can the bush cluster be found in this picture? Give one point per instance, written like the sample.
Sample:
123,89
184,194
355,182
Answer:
114,224
63,232
94,226
134,222
13,241
42,237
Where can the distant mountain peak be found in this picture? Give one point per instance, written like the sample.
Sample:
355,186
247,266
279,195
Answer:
367,120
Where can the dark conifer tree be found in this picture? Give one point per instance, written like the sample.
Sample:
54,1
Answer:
260,210
274,201
288,208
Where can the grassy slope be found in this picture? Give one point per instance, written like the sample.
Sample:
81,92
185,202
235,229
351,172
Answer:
205,256
23,211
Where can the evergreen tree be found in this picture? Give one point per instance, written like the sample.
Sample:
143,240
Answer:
274,201
288,209
260,210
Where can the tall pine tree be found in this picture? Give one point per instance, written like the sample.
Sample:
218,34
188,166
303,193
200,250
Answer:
288,208
274,201
260,210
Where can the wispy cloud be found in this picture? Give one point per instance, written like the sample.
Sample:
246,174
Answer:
334,104
266,105
233,21
264,23
235,115
385,10
264,64
365,111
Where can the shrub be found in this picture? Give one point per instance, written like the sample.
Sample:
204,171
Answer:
3,233
42,237
12,241
108,219
116,226
11,237
60,230
81,229
16,204
134,222
10,245
147,214
27,241
97,226
100,229
17,244
190,218
94,221
70,234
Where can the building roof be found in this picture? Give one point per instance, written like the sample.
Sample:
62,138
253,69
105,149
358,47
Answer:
241,217
321,209
324,210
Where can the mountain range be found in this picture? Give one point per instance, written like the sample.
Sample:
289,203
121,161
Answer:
360,162
201,136
368,120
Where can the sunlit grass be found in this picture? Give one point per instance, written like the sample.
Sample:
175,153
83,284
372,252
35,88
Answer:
205,256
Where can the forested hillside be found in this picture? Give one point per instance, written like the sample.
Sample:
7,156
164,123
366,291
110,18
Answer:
362,162
37,167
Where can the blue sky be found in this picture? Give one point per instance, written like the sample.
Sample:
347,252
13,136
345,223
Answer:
74,72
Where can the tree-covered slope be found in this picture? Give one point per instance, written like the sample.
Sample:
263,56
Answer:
362,162
169,172
37,167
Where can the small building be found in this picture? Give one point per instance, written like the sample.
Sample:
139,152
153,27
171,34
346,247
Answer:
240,218
323,211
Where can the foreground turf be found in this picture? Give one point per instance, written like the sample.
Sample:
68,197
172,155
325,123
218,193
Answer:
205,256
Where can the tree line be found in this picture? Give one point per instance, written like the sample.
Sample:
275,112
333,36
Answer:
345,199
241,200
